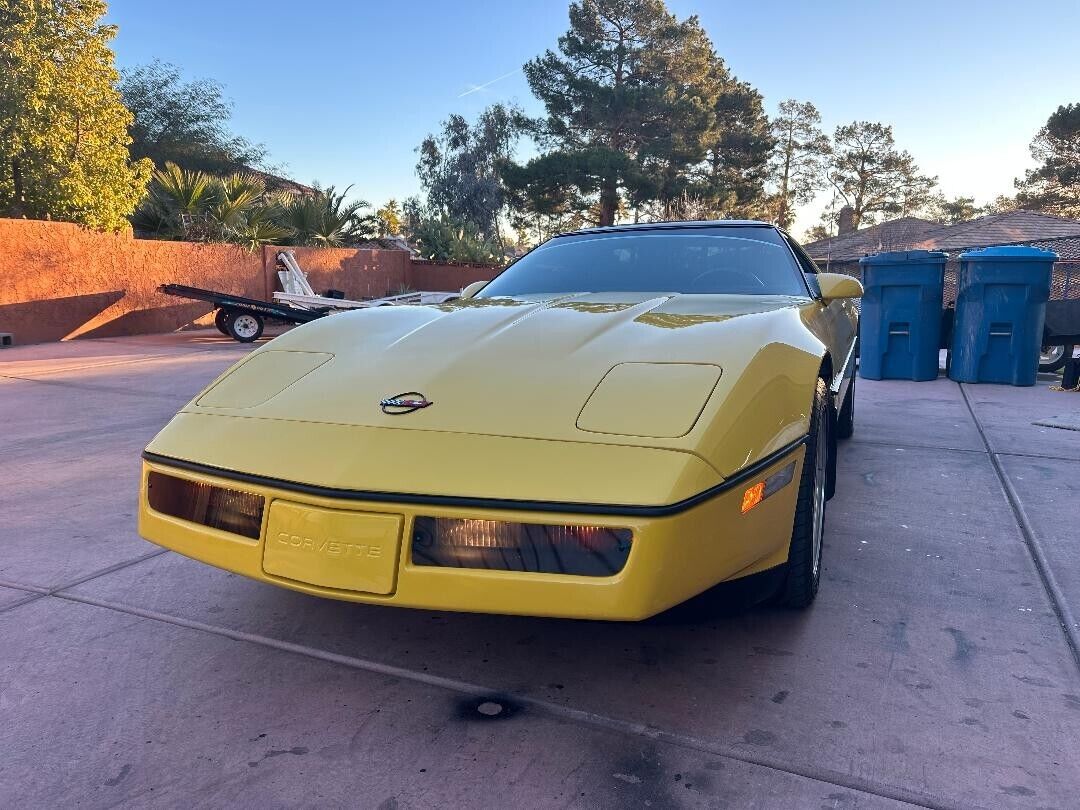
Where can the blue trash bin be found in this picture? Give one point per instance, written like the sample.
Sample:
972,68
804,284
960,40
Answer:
1000,309
900,315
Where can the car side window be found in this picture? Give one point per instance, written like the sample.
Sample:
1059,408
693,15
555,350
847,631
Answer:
805,262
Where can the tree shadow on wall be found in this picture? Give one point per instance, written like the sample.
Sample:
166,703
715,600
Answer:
53,318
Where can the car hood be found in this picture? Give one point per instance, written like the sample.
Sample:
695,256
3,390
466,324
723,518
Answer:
526,369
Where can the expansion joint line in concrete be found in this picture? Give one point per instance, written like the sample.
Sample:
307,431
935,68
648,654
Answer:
37,591
1031,541
981,452
102,389
560,712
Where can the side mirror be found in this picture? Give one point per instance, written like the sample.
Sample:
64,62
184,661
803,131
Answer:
838,285
473,289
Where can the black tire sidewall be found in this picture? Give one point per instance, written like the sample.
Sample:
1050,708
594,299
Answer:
221,321
801,582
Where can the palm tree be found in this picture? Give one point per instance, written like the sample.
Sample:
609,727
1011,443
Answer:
176,204
325,219
198,207
261,226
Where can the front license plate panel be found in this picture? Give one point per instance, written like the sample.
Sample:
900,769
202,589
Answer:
332,548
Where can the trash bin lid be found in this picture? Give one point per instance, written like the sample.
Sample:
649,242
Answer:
906,257
1009,253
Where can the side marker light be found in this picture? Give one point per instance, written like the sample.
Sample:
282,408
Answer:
771,485
753,496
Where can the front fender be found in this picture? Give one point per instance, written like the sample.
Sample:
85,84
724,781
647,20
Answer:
763,405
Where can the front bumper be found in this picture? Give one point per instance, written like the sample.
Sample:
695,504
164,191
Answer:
673,556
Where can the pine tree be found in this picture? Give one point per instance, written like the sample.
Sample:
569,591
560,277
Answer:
629,100
874,177
1054,185
799,159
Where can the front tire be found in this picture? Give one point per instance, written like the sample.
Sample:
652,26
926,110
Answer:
807,535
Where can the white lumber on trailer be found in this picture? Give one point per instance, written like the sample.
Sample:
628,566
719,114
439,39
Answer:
300,284
309,301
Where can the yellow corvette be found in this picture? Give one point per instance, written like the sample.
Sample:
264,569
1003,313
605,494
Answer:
624,418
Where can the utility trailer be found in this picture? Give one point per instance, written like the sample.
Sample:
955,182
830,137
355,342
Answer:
243,318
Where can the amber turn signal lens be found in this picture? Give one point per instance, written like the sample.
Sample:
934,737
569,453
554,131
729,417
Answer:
753,496
771,485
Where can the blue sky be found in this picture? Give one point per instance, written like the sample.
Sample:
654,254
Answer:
342,92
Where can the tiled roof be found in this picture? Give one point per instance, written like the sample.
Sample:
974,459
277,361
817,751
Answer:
1009,228
896,234
276,183
1067,247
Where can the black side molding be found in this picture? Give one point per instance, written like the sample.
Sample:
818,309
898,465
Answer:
740,477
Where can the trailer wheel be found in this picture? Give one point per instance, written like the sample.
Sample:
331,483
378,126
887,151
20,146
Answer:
1051,358
245,327
221,321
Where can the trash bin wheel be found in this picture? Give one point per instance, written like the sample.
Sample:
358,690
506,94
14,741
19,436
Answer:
845,420
245,327
221,321
1051,358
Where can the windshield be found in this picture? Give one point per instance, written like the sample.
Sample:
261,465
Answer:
732,260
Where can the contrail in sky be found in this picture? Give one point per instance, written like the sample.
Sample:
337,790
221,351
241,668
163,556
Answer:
485,85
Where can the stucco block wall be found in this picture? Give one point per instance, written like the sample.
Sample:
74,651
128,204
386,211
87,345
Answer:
446,277
61,281
357,273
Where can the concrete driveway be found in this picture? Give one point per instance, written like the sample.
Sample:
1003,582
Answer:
938,667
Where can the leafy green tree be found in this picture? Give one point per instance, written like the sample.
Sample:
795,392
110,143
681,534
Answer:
389,219
186,123
63,130
1054,185
799,160
460,168
442,239
630,100
873,177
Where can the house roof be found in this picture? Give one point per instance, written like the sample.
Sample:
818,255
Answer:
386,243
1009,228
1066,247
275,183
896,234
